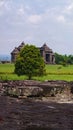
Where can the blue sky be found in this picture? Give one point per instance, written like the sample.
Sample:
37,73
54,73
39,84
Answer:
36,22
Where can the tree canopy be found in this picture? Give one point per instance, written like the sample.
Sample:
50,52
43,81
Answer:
29,62
63,59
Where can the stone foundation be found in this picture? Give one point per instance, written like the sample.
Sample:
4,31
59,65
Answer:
30,88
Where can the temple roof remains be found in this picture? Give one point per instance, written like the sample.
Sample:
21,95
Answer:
15,51
46,48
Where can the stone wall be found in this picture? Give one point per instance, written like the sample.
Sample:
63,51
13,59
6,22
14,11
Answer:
30,88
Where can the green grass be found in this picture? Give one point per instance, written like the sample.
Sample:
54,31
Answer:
6,68
53,72
59,69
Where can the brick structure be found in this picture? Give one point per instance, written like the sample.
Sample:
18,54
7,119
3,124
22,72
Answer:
45,52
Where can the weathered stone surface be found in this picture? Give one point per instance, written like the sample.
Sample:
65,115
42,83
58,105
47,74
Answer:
28,88
0,85
24,91
2,90
27,114
51,107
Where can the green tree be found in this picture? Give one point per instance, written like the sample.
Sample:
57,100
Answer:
70,59
59,58
29,62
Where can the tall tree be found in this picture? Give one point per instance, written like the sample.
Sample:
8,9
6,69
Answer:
29,62
63,59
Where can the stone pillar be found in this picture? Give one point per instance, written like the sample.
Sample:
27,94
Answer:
53,59
50,58
44,56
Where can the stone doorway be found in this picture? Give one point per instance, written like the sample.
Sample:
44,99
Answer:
47,57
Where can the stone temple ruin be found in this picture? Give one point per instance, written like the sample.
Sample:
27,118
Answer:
45,52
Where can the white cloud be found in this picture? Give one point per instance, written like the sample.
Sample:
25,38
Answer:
61,18
27,8
20,11
29,37
23,10
1,3
4,6
69,9
36,22
35,19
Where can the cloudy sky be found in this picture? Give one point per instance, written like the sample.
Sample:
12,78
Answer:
36,22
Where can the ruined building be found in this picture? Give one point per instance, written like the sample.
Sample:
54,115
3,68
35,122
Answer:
45,52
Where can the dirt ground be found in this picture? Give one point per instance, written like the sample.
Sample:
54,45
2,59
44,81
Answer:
29,114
